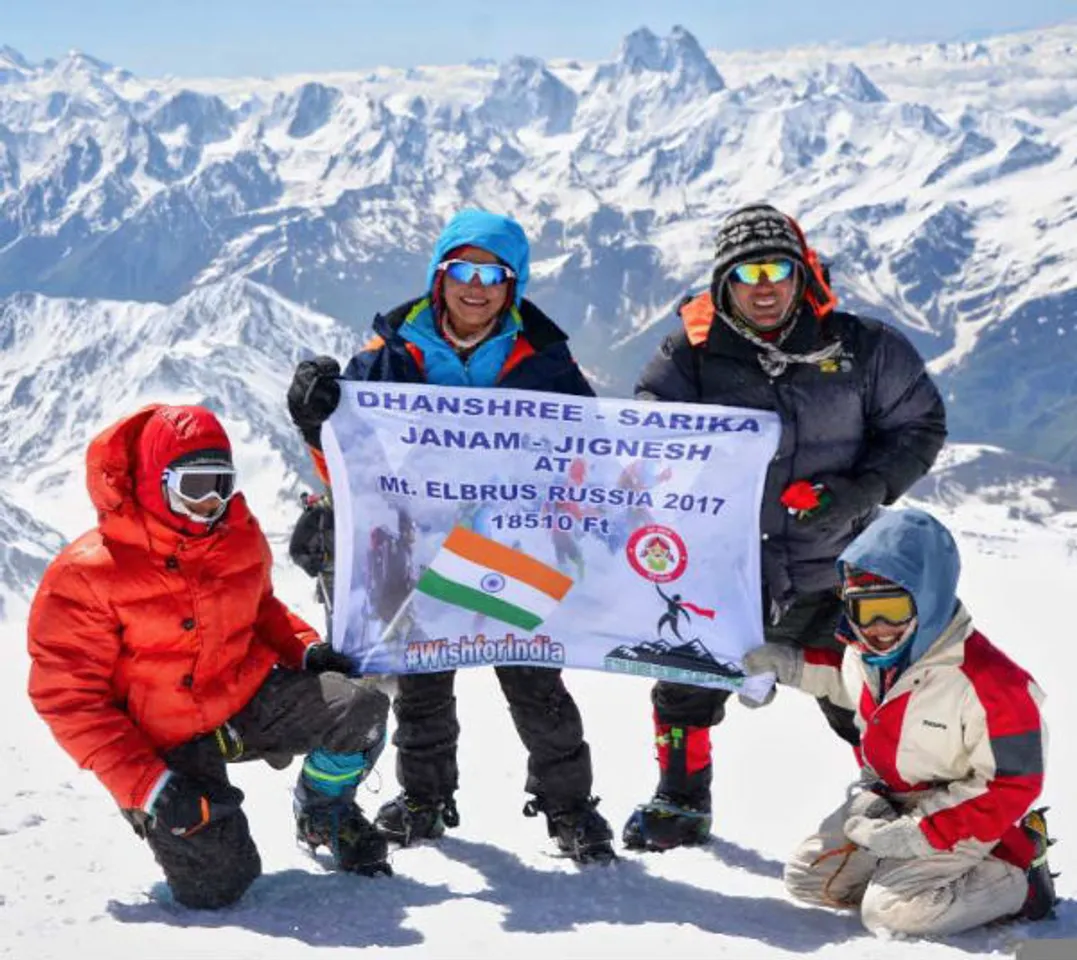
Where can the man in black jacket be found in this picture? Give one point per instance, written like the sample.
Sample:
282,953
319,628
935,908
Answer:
861,422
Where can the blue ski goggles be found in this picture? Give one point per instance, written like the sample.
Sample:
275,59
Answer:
464,271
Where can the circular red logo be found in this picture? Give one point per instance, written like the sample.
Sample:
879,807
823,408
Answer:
657,553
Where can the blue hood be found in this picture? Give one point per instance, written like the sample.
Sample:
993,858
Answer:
911,548
502,236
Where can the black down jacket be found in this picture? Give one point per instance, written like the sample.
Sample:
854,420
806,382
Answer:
870,407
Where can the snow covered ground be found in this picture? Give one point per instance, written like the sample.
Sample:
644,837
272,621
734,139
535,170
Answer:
75,879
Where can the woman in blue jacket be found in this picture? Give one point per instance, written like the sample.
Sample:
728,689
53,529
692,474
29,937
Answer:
472,327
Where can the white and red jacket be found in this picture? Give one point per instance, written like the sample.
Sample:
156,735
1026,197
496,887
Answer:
958,737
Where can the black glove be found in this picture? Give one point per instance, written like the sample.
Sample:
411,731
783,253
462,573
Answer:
314,395
184,806
322,658
843,500
311,546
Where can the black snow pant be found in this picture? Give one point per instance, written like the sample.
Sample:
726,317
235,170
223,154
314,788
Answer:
292,713
685,773
546,718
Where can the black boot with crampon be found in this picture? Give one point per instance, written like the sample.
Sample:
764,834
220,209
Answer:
406,819
580,831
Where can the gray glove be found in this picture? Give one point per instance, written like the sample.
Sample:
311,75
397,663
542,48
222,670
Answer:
868,803
786,662
900,839
756,704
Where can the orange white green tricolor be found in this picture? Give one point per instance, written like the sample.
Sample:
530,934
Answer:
479,574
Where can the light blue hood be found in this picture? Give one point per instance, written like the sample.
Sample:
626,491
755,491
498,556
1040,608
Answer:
911,548
502,236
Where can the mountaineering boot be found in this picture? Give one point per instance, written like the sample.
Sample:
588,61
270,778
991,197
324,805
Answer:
1041,900
665,823
679,814
581,832
326,813
341,827
405,819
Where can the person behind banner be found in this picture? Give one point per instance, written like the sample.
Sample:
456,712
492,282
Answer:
473,327
938,835
861,422
159,653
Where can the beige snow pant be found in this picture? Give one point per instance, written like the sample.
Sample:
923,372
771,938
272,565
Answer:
930,896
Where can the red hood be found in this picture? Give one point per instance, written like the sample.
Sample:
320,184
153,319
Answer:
125,461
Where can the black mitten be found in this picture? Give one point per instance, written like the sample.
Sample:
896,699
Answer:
311,545
313,396
184,806
322,658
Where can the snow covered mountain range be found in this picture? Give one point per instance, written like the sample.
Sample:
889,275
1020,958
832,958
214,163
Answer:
166,239
188,241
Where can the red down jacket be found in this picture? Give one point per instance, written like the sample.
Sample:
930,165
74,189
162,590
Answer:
142,635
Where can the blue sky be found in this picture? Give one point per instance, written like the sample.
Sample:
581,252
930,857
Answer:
265,37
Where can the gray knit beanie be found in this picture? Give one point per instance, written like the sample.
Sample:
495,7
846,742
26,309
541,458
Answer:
754,234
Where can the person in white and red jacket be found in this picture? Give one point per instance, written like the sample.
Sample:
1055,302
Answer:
938,835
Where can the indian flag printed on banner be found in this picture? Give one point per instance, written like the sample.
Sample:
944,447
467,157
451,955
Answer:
482,575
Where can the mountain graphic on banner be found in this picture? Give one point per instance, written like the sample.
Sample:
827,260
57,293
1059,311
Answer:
692,655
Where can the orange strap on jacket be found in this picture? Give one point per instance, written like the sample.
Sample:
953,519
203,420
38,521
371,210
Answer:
521,350
697,315
320,466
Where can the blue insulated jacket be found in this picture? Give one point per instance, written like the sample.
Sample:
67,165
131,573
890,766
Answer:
443,365
540,358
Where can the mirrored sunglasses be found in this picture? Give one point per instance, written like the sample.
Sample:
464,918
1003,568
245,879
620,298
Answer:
196,484
753,273
489,274
895,607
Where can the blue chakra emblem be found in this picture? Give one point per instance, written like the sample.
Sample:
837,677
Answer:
492,583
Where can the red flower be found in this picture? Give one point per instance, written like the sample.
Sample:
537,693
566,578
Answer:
800,496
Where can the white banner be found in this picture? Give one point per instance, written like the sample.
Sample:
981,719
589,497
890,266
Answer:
493,527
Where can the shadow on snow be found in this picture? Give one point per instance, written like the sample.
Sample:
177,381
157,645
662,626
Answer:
341,910
625,893
319,909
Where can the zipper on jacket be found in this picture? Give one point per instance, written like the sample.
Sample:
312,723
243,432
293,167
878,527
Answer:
787,417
